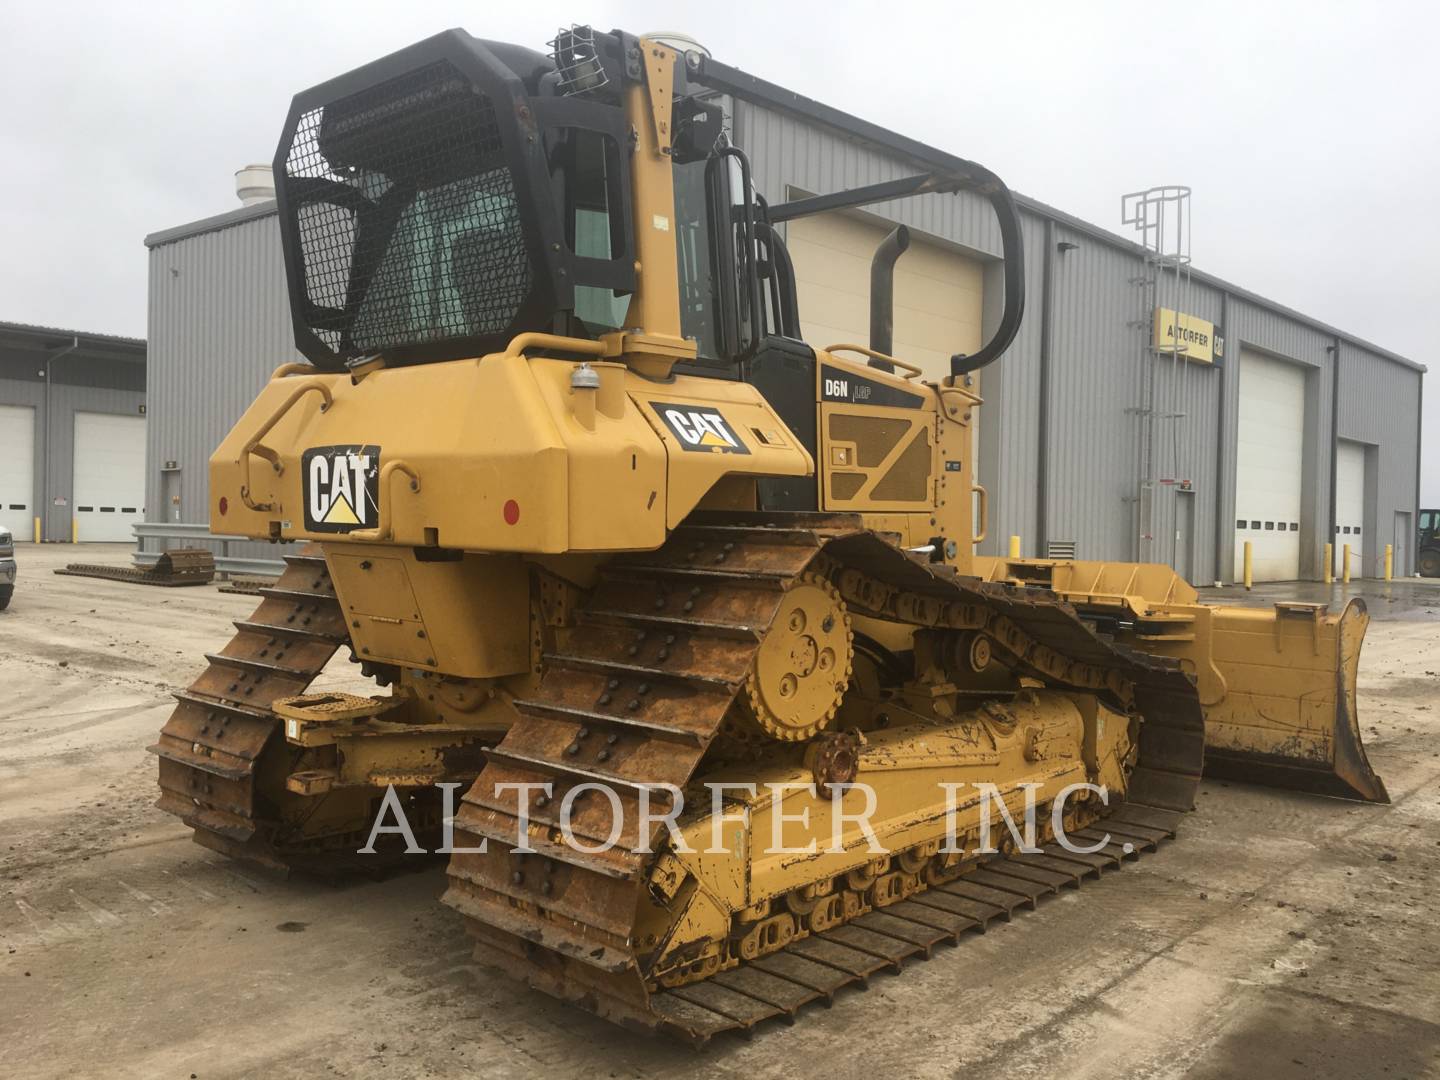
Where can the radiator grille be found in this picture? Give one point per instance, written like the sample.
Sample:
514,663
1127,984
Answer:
873,436
909,478
843,486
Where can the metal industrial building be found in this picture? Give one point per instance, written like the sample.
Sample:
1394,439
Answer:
72,434
1282,430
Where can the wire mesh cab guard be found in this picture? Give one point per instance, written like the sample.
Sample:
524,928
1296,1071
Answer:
424,201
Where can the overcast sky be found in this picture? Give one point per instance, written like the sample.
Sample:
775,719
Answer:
1310,132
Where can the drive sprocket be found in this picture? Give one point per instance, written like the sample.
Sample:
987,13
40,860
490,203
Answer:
803,666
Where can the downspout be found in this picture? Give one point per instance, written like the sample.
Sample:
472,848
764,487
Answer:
1220,515
45,472
1410,544
1042,463
1329,534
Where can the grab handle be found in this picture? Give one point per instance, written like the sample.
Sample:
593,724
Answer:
253,444
384,524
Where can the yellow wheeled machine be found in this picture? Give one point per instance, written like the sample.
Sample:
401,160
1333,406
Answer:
688,608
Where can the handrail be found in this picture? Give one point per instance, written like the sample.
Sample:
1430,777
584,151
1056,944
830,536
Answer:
970,398
294,368
910,369
384,526
252,445
521,342
979,489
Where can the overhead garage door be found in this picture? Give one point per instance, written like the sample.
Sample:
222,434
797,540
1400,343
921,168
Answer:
1350,504
1270,451
937,291
17,470
109,493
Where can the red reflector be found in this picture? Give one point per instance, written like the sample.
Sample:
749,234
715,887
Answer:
512,511
224,505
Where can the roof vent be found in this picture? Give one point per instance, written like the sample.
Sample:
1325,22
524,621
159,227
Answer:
254,184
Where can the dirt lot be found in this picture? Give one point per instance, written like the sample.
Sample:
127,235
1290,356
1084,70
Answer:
1282,936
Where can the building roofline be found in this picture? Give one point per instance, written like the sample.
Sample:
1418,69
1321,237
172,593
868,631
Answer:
1103,235
214,223
771,95
56,335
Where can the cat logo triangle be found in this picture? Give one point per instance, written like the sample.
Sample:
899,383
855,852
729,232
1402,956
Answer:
700,428
341,513
340,486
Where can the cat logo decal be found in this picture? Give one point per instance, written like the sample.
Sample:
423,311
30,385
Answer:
700,428
342,488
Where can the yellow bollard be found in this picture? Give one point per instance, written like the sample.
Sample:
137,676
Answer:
1248,578
1014,547
1345,563
37,530
1389,560
1329,563
74,530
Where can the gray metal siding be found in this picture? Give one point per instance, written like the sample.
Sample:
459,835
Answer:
1379,405
1100,360
1009,445
790,153
219,324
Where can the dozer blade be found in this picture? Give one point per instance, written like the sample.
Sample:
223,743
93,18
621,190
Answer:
1277,686
1286,714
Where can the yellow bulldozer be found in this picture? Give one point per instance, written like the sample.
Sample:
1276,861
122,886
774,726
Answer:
687,609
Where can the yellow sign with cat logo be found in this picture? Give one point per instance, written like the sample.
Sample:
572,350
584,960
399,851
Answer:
1192,337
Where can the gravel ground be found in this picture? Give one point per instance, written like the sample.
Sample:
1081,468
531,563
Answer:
1282,936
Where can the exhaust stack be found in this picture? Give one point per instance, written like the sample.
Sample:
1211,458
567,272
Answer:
882,294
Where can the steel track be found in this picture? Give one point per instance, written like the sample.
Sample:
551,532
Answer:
214,748
663,644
